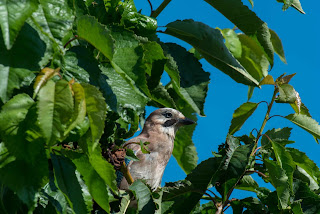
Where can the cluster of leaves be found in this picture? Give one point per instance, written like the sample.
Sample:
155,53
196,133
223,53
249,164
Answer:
76,76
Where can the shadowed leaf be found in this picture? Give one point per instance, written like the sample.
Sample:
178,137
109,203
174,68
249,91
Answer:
13,14
247,21
209,43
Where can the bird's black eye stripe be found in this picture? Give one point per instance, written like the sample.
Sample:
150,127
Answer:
169,123
167,114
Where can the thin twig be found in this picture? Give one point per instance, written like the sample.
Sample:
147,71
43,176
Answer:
255,130
260,173
74,38
212,193
150,6
255,151
163,5
264,102
275,116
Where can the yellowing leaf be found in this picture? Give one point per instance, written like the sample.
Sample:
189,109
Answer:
43,77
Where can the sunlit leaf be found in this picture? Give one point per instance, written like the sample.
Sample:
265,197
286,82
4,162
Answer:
277,45
305,122
268,80
80,107
308,167
144,197
55,107
96,34
232,42
43,77
287,94
280,136
96,110
240,116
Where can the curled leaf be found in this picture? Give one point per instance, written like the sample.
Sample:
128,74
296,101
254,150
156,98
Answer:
43,77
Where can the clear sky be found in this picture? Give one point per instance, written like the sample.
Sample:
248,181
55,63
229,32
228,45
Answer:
299,34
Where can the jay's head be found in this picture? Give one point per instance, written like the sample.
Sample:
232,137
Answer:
167,120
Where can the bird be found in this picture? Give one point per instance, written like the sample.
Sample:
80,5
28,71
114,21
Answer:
159,130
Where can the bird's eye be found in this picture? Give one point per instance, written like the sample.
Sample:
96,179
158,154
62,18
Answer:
167,114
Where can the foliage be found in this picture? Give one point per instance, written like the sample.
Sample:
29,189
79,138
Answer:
76,77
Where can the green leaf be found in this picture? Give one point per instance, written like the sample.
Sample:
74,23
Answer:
96,185
233,166
184,150
279,180
207,208
287,94
79,113
56,19
55,107
139,23
209,43
55,196
190,81
17,67
13,15
232,42
128,58
247,183
96,34
292,3
144,197
26,156
43,77
14,112
240,116
96,110
253,59
247,21
154,61
306,167
126,93
305,122
64,171
310,201
280,136
183,196
277,45
268,80
125,201
99,163
284,160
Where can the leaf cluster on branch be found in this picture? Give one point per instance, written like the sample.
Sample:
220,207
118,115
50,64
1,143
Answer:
75,79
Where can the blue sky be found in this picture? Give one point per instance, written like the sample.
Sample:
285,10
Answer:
299,34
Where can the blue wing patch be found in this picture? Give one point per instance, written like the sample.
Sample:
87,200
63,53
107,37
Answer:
120,174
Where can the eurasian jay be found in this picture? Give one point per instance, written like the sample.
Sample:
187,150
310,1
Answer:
159,130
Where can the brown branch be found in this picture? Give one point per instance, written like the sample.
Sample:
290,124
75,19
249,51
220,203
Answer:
126,173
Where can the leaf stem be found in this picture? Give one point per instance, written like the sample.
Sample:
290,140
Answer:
157,12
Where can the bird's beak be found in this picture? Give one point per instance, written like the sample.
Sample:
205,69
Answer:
186,121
